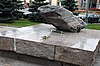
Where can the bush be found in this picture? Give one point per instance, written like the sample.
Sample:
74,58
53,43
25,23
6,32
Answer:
7,8
18,14
76,13
7,20
35,17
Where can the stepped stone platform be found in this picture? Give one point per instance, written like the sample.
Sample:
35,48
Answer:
74,48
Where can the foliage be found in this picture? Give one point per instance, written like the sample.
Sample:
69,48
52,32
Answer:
35,16
69,4
75,13
7,9
93,26
45,37
36,4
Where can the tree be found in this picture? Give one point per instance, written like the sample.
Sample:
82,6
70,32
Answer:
69,4
35,16
7,9
36,4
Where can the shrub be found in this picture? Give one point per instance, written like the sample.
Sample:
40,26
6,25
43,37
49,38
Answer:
7,8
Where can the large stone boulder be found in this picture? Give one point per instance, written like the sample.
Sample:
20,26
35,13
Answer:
61,18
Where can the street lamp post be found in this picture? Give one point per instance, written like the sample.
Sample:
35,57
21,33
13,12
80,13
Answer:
87,8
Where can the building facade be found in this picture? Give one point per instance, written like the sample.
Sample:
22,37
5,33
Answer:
51,2
82,4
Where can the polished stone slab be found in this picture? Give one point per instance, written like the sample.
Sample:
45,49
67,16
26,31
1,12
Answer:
31,33
5,28
81,40
76,48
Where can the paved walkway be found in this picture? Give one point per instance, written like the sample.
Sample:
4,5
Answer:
4,61
12,62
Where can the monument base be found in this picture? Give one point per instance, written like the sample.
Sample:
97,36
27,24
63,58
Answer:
42,41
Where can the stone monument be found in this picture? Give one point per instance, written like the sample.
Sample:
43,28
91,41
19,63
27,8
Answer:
63,49
61,18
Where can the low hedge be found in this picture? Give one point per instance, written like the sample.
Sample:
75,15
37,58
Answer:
9,20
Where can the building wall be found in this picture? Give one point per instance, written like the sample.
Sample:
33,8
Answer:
80,4
53,2
91,4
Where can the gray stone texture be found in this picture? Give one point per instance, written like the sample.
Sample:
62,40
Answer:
5,28
74,48
80,56
6,43
61,18
10,58
14,59
75,56
35,49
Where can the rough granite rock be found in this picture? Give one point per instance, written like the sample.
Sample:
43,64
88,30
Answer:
75,56
6,43
61,18
35,49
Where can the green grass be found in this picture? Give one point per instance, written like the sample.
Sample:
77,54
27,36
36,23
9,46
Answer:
25,22
93,26
20,23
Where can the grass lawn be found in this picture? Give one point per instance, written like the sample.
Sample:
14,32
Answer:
25,22
20,23
93,26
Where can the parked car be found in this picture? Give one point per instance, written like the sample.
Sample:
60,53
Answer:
92,18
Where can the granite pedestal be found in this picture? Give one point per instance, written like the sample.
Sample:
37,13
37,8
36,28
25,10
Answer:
65,47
